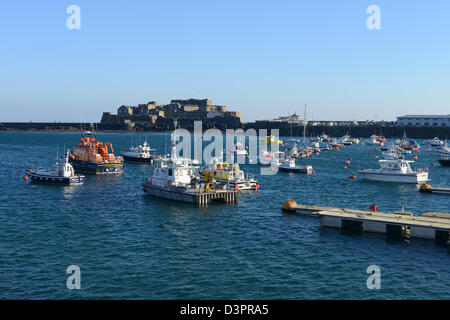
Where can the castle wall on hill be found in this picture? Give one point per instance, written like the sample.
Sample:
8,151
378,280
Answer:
186,110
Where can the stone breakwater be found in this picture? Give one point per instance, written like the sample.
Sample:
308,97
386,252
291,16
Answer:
285,129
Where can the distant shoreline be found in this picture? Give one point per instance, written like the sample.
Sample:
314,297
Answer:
285,129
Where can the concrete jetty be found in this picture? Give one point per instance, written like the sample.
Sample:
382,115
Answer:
430,225
427,188
199,197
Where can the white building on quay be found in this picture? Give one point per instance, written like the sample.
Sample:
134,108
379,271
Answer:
424,121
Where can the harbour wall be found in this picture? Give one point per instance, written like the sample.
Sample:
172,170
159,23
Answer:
285,129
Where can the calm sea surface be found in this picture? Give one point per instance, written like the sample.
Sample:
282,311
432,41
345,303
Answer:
133,246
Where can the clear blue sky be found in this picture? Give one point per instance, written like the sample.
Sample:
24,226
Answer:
263,58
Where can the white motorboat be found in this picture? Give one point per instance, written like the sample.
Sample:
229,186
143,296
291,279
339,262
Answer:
62,174
435,142
392,153
345,140
289,165
268,158
443,150
238,150
395,171
141,154
375,140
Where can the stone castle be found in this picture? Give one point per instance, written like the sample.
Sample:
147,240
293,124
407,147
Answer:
183,111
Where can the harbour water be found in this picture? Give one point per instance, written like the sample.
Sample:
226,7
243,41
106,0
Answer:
132,246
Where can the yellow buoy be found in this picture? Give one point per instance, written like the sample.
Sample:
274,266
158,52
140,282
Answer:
289,205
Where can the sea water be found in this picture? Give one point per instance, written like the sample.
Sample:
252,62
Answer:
131,246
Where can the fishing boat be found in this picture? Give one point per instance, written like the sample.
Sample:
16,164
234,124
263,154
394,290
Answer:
345,140
375,140
182,182
395,171
407,144
230,175
92,156
62,173
289,165
140,154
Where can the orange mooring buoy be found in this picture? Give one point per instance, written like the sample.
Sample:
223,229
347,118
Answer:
352,177
25,178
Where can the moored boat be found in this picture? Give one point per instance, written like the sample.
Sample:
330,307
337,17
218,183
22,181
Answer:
395,171
92,156
392,153
238,150
289,165
443,150
435,142
182,182
230,175
140,154
62,174
444,160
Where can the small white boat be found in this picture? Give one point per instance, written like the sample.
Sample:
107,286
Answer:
435,142
289,165
62,174
345,140
375,140
268,158
395,171
292,150
141,154
238,150
392,153
443,150
175,159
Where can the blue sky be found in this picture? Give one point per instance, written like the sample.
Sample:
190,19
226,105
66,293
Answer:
263,58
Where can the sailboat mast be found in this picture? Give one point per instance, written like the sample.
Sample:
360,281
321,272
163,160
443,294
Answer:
304,127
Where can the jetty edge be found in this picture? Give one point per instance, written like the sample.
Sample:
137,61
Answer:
427,188
429,225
